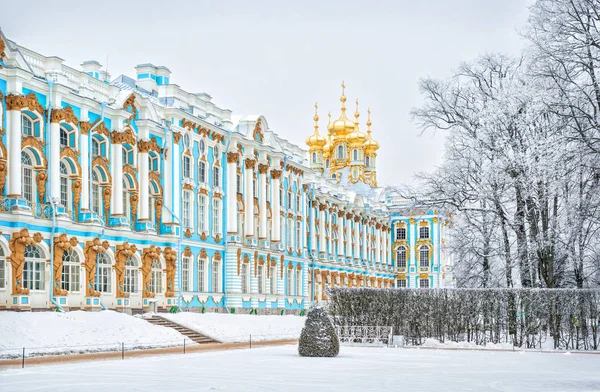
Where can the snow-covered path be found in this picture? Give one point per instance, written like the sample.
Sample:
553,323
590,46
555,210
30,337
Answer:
355,369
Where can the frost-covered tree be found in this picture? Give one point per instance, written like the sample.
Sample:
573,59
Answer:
318,337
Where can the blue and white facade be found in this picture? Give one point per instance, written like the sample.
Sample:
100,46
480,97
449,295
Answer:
134,193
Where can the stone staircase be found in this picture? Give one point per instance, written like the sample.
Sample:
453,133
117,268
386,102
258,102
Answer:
192,335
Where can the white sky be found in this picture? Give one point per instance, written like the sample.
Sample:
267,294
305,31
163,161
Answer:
276,58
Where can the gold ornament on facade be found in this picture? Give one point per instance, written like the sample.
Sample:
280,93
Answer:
257,134
239,261
250,163
188,124
232,157
2,50
90,252
149,255
2,175
130,103
17,244
276,174
176,137
133,200
315,142
170,256
106,193
61,244
35,143
263,168
122,253
40,181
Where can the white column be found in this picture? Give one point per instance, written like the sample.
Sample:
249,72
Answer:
13,141
262,198
311,221
176,184
386,248
330,236
54,167
413,239
378,243
249,164
356,238
322,237
365,253
276,206
232,192
348,237
143,213
85,172
168,180
340,235
116,202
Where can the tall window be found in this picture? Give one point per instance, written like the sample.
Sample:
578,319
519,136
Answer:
273,279
238,184
261,279
298,203
298,235
185,273
355,155
202,213
298,274
26,126
216,177
64,186
202,273
216,216
152,162
187,209
186,167
245,276
156,277
314,157
201,172
401,283
400,233
289,234
368,161
150,202
131,276
70,272
127,154
95,193
424,283
290,282
104,273
2,268
126,203
96,147
64,137
340,152
27,177
327,163
289,200
424,257
424,232
216,276
34,269
401,257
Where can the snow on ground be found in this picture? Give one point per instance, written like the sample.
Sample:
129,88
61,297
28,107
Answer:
355,369
79,331
434,343
238,327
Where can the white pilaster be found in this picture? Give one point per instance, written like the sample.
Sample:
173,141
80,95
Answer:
322,236
340,239
276,206
249,164
54,166
231,192
116,202
348,237
177,179
13,142
356,239
85,172
143,213
311,221
377,244
262,197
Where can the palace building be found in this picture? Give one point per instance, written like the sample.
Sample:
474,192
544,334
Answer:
132,194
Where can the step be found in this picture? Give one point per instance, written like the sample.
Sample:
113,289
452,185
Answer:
190,334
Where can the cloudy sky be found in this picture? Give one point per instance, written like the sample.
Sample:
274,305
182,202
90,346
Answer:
277,58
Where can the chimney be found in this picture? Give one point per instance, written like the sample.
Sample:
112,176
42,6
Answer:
146,77
163,75
92,68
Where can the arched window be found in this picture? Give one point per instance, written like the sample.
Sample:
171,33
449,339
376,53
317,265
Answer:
290,282
314,157
273,279
368,161
131,275
187,167
333,176
26,126
127,154
327,163
126,203
104,273
216,276
95,147
216,212
71,271
64,137
34,269
202,214
424,256
96,194
355,154
401,257
202,146
202,275
261,278
186,265
245,277
152,162
2,268
298,274
298,235
289,237
340,152
27,177
156,277
64,186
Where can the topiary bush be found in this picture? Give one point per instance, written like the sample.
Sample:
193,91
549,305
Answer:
318,337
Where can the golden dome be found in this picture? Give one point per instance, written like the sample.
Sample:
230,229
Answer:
371,145
356,137
342,126
316,140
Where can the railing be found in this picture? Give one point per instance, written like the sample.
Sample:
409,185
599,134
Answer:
364,335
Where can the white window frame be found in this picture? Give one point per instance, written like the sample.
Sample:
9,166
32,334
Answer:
186,264
104,273
261,278
71,272
131,281
273,280
216,212
245,278
187,209
202,213
424,253
202,275
401,262
424,232
298,276
27,131
34,270
216,276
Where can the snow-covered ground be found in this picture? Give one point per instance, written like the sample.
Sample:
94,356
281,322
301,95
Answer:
355,369
75,332
434,343
238,327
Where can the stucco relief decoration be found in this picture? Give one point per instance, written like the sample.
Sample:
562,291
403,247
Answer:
255,263
40,181
61,244
258,133
90,251
187,233
37,144
282,260
65,114
122,253
2,51
18,242
101,129
276,174
176,137
106,193
130,104
133,200
149,255
232,157
188,124
2,175
239,261
170,256
158,203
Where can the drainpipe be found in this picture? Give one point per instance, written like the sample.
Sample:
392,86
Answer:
98,263
102,106
226,236
52,204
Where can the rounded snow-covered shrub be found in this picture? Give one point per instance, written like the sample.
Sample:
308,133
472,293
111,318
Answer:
318,338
